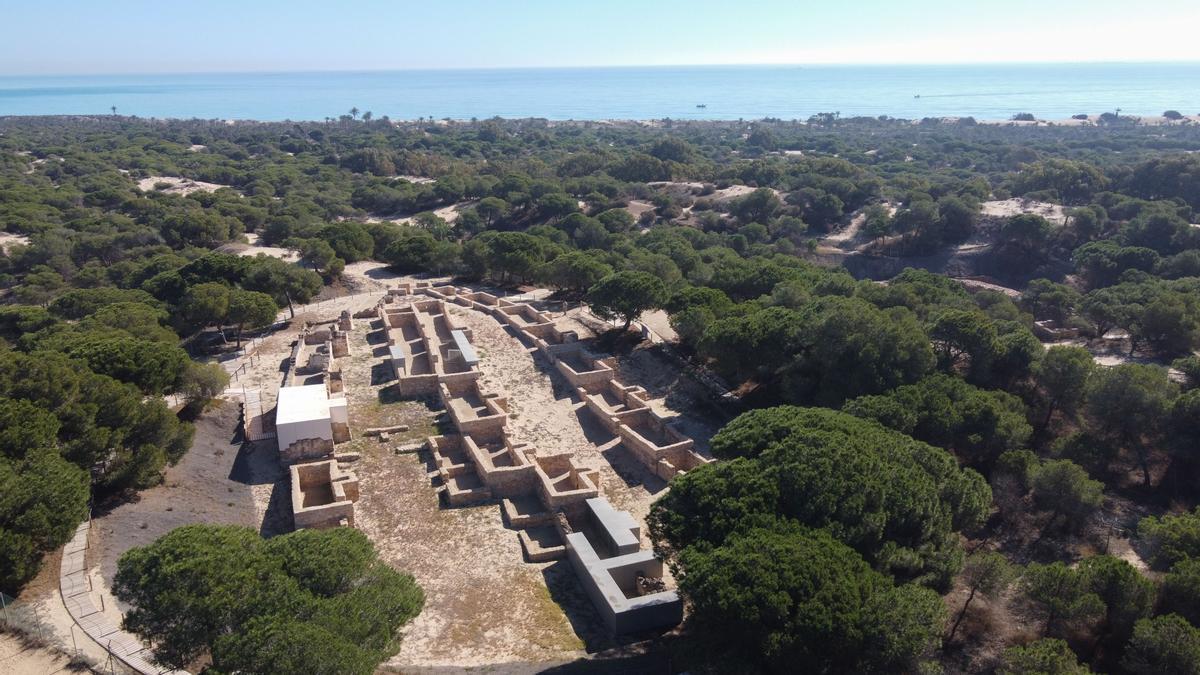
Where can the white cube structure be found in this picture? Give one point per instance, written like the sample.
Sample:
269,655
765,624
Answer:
305,418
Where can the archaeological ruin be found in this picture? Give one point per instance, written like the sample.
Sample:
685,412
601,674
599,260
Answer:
323,495
554,501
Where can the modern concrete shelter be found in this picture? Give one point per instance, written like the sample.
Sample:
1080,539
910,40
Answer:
307,422
624,583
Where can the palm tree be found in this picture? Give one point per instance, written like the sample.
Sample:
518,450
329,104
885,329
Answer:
354,112
114,109
367,116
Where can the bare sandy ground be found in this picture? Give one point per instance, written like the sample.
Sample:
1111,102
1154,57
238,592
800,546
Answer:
977,284
484,605
9,239
177,185
446,213
370,276
637,208
216,482
1006,208
683,188
20,658
659,321
852,233
252,247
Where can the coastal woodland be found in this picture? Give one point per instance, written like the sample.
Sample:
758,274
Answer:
964,414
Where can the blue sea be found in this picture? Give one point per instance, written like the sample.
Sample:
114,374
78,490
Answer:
1049,91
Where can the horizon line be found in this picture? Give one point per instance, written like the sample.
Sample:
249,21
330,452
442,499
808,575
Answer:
811,64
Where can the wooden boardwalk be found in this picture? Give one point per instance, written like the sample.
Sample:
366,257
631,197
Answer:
77,595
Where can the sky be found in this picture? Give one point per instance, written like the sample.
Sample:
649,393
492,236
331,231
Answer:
173,36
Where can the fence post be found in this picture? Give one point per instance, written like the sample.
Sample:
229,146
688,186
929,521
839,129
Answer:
37,620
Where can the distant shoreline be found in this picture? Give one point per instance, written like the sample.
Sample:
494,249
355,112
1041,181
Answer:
984,92
661,66
1092,121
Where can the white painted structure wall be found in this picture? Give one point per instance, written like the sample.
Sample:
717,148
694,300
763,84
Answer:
304,412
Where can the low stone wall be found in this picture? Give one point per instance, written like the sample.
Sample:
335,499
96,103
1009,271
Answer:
563,483
305,450
666,451
581,369
595,397
323,495
485,420
517,477
611,582
418,385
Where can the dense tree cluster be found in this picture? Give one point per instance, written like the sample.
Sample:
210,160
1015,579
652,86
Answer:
817,527
309,601
739,529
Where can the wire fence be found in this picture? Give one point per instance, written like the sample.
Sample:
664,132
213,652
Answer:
31,626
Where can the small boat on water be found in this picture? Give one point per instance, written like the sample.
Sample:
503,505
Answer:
701,105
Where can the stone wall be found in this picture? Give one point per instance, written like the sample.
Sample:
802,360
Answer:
323,495
305,450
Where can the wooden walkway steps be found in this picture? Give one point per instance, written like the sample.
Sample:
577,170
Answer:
77,596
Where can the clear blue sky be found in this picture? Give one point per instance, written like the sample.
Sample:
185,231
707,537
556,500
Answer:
136,36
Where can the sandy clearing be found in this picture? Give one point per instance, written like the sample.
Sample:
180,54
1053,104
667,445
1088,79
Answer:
177,185
370,276
976,284
446,213
850,233
682,189
9,239
216,482
252,247
19,658
659,322
637,207
1006,208
418,180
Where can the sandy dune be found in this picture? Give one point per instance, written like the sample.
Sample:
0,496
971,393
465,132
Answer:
177,185
1006,208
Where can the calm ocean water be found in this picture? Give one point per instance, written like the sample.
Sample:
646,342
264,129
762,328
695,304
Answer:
728,92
